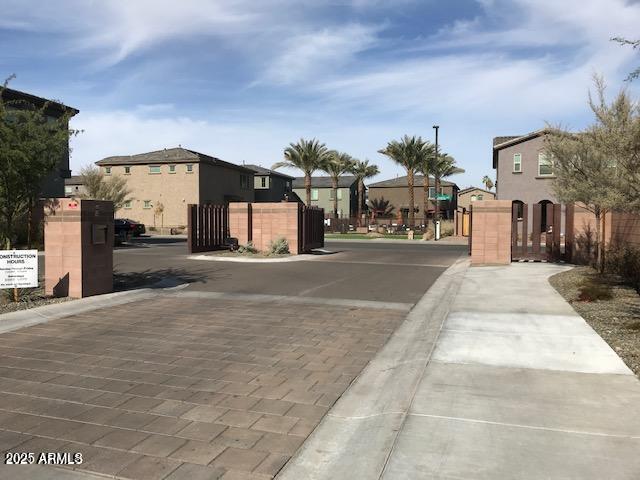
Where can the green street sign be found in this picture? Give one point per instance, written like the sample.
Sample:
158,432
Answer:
442,196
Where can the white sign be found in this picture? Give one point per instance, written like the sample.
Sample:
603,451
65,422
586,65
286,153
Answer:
18,268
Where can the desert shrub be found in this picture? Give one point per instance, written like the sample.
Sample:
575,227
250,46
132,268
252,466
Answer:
428,235
248,248
279,246
592,290
624,260
446,231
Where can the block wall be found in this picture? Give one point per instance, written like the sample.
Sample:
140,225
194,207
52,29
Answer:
262,223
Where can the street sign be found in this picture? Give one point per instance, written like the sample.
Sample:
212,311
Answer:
442,196
18,268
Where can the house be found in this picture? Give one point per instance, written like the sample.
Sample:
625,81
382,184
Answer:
524,173
164,182
322,194
73,186
269,185
471,194
53,186
396,192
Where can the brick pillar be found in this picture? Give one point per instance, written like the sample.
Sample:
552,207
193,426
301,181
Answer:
78,247
491,232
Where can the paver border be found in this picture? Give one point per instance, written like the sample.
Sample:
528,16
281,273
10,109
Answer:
358,433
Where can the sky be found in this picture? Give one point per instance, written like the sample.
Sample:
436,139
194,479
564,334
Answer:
241,79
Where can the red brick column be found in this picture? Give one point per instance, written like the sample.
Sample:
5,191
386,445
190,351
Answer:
491,232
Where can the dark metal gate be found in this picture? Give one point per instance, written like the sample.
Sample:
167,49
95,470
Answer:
310,228
208,227
551,232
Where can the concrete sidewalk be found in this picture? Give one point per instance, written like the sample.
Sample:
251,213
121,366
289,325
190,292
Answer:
518,387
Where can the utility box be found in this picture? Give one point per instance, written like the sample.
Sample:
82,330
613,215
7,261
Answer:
78,247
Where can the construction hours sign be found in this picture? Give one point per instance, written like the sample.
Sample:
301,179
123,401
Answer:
18,268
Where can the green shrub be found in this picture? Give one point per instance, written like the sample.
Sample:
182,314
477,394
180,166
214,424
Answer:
280,246
624,260
248,248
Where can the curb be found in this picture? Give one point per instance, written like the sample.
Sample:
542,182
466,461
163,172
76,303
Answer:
358,433
34,316
397,242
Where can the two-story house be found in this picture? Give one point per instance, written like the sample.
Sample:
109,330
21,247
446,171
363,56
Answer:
322,194
164,182
472,194
524,173
270,185
395,191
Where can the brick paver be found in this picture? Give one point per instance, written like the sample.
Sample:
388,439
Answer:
179,387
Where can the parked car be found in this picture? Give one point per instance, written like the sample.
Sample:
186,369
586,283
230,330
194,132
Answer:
123,231
136,227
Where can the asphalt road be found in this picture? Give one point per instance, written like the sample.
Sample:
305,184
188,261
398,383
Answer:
362,271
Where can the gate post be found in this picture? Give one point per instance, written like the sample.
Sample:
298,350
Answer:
491,229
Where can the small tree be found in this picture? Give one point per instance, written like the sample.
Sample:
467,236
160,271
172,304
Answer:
31,146
98,187
158,211
362,170
425,167
488,183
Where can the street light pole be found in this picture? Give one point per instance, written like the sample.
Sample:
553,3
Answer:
436,235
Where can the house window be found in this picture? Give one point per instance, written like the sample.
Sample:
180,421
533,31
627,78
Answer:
68,190
517,163
432,192
545,165
147,204
480,197
127,170
244,182
172,169
263,182
288,186
339,194
127,204
107,170
154,168
314,194
189,168
474,198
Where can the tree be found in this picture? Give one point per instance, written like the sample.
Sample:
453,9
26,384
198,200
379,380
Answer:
98,187
31,146
600,167
336,165
635,44
444,166
407,152
488,183
425,166
158,211
307,156
362,171
381,208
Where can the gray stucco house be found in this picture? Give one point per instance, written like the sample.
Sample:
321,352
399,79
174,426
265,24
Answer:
270,185
322,194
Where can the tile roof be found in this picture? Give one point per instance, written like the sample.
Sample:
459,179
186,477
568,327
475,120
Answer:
169,155
12,95
325,182
418,181
73,180
265,171
475,188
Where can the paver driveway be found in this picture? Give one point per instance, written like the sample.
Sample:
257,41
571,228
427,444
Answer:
183,385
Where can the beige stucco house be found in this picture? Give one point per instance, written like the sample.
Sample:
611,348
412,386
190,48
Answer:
469,195
172,178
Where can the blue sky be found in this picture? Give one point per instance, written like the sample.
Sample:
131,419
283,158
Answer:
240,79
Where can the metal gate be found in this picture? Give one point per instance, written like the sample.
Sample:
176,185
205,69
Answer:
310,228
542,232
208,227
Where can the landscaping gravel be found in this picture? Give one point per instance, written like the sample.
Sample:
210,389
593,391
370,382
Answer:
29,298
616,320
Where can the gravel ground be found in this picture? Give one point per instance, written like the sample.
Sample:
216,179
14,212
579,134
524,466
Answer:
616,320
29,298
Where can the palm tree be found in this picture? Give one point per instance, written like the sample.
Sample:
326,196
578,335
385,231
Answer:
362,170
424,167
306,155
444,166
336,165
408,153
488,183
381,207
